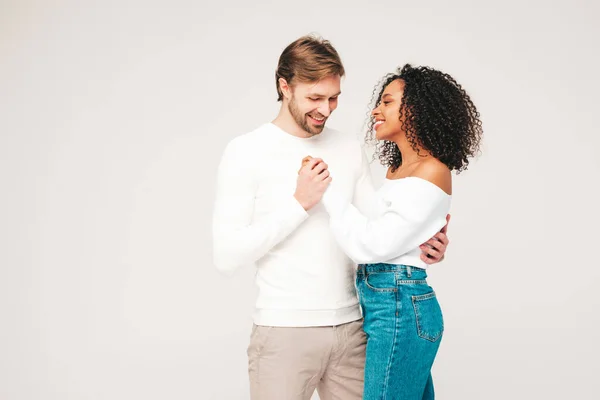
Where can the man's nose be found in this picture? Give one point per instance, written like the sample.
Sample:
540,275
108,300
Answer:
324,109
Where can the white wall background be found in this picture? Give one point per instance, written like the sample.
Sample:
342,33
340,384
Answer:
113,116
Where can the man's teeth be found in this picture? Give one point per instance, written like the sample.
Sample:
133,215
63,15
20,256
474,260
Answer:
318,119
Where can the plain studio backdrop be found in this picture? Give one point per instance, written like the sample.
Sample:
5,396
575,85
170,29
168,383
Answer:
113,118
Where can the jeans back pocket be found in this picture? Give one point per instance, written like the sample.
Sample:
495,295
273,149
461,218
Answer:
428,314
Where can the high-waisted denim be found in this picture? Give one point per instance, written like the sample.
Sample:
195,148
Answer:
404,325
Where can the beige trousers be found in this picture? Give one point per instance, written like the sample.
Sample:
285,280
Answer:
290,363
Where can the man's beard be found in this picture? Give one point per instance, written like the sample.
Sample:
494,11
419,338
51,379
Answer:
302,119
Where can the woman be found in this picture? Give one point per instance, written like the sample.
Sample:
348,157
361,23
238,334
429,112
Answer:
425,126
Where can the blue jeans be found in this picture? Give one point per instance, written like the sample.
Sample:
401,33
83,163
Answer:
404,325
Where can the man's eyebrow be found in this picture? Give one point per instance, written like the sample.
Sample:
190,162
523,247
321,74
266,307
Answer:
321,95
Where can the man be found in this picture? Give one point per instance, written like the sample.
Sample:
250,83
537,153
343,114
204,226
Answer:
307,331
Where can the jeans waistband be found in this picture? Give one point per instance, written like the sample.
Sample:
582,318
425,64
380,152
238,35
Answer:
407,271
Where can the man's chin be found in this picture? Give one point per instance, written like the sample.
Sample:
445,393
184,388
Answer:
315,129
312,132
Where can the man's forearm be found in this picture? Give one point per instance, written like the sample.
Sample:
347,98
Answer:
237,244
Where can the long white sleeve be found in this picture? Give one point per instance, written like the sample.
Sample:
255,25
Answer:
415,210
365,197
237,239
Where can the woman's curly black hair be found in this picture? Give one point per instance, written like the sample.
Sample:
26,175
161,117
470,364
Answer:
440,118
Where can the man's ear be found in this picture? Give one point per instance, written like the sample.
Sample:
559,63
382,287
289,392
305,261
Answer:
285,88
